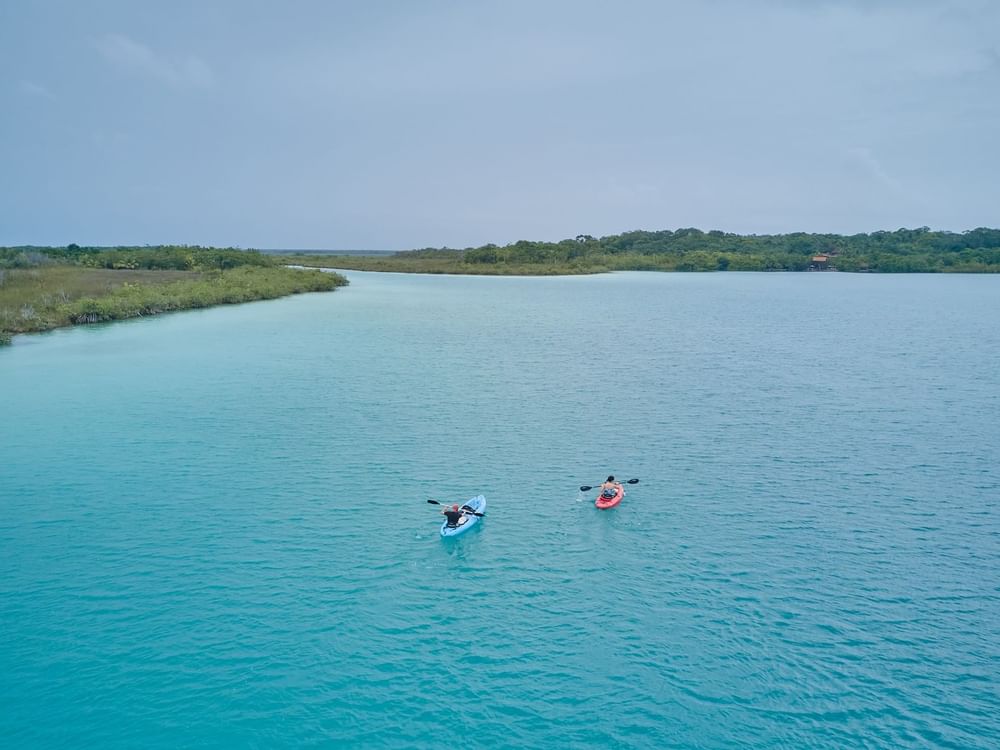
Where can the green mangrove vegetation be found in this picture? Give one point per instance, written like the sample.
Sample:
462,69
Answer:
43,288
902,251
448,261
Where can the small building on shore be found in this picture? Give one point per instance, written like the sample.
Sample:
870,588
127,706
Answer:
819,263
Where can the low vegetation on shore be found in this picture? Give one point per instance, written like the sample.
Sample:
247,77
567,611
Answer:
46,288
902,251
450,262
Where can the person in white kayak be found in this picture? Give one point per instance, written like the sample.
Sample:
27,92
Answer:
456,516
610,488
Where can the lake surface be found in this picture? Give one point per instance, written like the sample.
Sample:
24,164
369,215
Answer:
213,527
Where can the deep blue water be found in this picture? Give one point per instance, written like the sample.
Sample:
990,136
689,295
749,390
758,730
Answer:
213,527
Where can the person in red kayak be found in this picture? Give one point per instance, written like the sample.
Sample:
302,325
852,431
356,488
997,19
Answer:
610,488
456,516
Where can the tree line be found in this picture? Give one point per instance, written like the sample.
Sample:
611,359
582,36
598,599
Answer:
903,250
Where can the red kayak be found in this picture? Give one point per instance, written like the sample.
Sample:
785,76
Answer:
603,503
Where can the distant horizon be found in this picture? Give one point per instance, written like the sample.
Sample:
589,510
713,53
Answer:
446,124
380,251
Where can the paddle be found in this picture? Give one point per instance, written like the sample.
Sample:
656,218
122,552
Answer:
463,510
588,487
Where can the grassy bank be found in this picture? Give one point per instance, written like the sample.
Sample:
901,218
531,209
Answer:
406,263
54,293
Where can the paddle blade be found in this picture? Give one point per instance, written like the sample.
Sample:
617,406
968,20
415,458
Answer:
585,488
433,502
632,481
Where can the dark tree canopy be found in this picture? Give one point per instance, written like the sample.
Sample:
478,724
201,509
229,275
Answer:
691,249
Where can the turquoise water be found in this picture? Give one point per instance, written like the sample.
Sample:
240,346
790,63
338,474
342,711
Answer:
213,527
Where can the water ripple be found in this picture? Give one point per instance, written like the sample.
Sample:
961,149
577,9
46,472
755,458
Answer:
213,529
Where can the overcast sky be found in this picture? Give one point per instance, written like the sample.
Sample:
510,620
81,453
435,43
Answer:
400,124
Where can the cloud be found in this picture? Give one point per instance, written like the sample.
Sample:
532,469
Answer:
30,88
128,54
864,159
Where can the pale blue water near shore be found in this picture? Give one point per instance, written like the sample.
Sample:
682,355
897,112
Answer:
213,528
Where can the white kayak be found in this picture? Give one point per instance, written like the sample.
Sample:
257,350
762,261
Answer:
477,504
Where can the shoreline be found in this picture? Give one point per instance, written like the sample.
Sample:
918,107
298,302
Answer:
437,268
49,308
920,250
